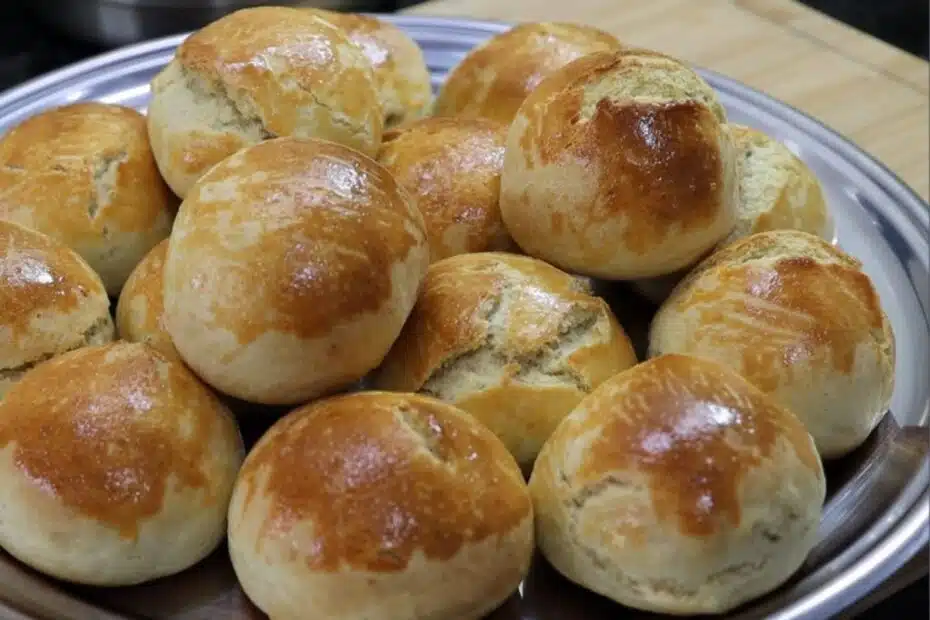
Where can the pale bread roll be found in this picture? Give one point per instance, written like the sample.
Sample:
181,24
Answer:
678,488
255,74
291,269
494,78
777,191
84,175
140,312
619,166
452,168
401,77
798,318
380,506
51,302
511,340
117,466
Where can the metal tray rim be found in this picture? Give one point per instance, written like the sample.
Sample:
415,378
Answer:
889,543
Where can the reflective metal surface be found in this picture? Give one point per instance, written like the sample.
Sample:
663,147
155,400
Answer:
877,516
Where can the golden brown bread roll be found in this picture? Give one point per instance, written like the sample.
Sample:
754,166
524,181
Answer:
255,74
452,168
51,302
618,166
380,506
511,340
401,76
84,175
777,192
291,269
116,466
677,487
494,78
798,318
140,312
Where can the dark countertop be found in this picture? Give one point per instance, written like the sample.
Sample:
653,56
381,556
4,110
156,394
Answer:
28,49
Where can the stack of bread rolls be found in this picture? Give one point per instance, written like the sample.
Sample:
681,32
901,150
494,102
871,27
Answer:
296,224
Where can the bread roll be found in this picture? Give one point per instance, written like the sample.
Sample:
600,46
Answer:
380,506
255,74
494,78
401,76
84,175
618,166
140,313
511,340
678,488
777,192
51,302
116,466
291,269
452,168
800,320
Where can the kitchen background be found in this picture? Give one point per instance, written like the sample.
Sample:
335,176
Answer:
30,46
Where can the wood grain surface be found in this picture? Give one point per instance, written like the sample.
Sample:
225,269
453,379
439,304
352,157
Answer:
867,90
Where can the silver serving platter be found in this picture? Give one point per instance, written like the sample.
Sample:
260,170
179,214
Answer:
876,520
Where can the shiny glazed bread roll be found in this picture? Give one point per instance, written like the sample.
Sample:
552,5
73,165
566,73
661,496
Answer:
255,74
798,318
619,166
140,313
51,302
401,76
494,78
677,487
117,466
84,175
291,269
380,506
777,192
511,340
452,168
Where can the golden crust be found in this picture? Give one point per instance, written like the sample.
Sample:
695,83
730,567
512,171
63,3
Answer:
618,166
800,320
693,427
510,339
401,76
84,174
140,313
120,409
452,168
446,474
494,78
260,73
51,301
678,487
778,191
304,240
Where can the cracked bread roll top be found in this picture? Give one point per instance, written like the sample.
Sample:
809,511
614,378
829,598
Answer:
380,506
116,466
799,319
401,77
291,269
255,74
619,166
51,302
493,79
452,168
511,340
679,488
84,174
140,312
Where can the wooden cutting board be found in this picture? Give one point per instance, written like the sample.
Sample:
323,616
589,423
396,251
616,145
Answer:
869,91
